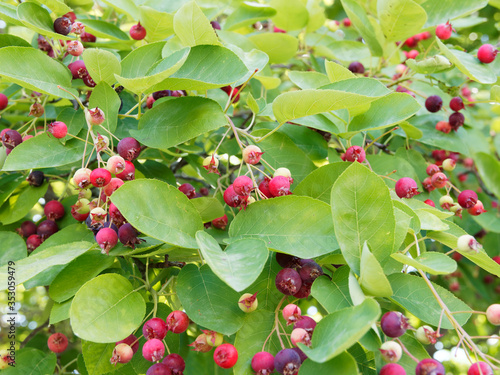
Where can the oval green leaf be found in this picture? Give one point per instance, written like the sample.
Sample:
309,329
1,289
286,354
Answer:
372,278
37,18
102,65
430,262
400,19
14,248
33,362
192,27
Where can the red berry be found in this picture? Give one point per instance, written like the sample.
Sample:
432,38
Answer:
444,30
432,169
411,42
287,362
57,342
159,369
480,368
175,362
128,174
456,104
127,235
394,324
427,184
153,350
263,363
411,54
456,120
87,37
107,239
356,67
264,187
78,69
54,210
137,32
11,138
346,22
220,222
116,215
33,241
225,356
4,101
113,185
355,153
304,291
28,228
439,180
288,281
188,190
243,185
132,341
279,186
154,328
406,187
58,129
392,369
74,48
477,209
62,25
71,16
430,202
100,177
129,148
487,53
122,353
88,81
150,101
467,198
177,321
429,366
46,229
231,198
287,261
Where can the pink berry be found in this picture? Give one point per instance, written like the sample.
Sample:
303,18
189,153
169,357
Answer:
226,356
487,53
231,198
71,16
243,185
456,104
87,37
432,169
11,139
433,103
33,241
394,324
252,154
429,366
480,368
439,180
74,48
175,362
137,32
113,185
188,190
346,22
493,314
430,202
291,313
128,174
300,335
115,164
444,30
159,369
100,177
177,321
279,186
116,215
467,198
154,328
58,129
81,178
122,353
54,210
406,187
57,342
355,153
220,222
107,239
288,281
132,341
411,55
392,369
4,101
263,363
129,148
153,350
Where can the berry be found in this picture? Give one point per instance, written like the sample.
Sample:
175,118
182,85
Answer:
411,54
77,28
306,323
480,368
159,369
122,353
188,190
211,164
82,178
439,180
132,341
243,185
57,342
95,116
226,356
128,174
356,67
137,32
248,302
220,222
310,272
127,235
283,172
33,241
432,169
304,291
62,25
46,229
231,198
456,120
427,184
355,153
391,351
100,177
477,209
78,69
153,350
288,281
493,314
88,81
263,363
175,363
213,338
154,328
200,344
346,22
279,186
28,228
444,30
467,198
287,261
74,48
287,362
177,321
107,239
426,335
449,164
392,369
115,164
487,53
394,324
150,101
36,110
429,366
129,148
43,44
87,37
252,154
4,101
456,104
300,335
291,313
54,210
215,25
113,185
264,187
71,16
406,187
433,103
430,202
301,354
468,243
232,92
58,129
11,138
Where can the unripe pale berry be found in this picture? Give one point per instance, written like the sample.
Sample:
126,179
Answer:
82,178
468,243
211,164
449,164
300,335
57,342
252,154
132,341
74,48
406,187
391,351
95,116
200,344
426,335
213,338
446,202
493,314
248,302
467,198
355,153
283,172
226,356
153,350
487,53
122,353
115,164
58,129
291,313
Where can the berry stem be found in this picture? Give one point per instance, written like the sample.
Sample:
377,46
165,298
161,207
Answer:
235,131
407,248
379,137
76,98
232,97
406,351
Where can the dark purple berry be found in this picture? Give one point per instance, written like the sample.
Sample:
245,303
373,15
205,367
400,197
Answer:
36,178
301,354
188,190
62,25
161,94
78,69
46,229
304,291
467,199
310,271
429,366
356,67
43,44
287,261
129,148
394,324
175,362
288,281
433,103
456,120
54,210
159,369
11,138
128,235
306,323
287,362
215,25
33,241
28,228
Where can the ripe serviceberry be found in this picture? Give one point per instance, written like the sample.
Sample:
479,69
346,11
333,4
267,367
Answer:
493,314
71,16
487,53
129,148
74,48
115,164
78,69
100,177
411,55
220,222
310,271
456,120
128,174
306,323
252,154
427,184
188,190
231,198
406,187
113,185
456,104
391,351
54,210
392,369
28,228
87,37
304,291
394,324
57,342
356,67
263,363
58,129
88,81
33,241
443,31
200,344
264,187
127,235
226,356
426,335
279,186
213,338
429,366
122,353
288,281
433,103
477,209
62,25
154,328
243,185
248,302
177,321
430,202
287,362
232,92
150,101
107,239
300,335
292,314
137,32
480,368
467,198
153,350
159,369
175,363
4,101
132,341
355,153
287,261
346,22
11,138
46,229
439,180
468,243
36,178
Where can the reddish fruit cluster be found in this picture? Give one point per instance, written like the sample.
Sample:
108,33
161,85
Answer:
413,41
79,71
297,275
232,92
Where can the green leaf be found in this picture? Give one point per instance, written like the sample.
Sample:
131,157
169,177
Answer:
164,125
98,303
247,13
308,80
361,22
372,278
7,40
138,62
333,294
159,25
342,364
469,65
362,211
337,72
14,248
291,14
102,65
208,208
38,19
332,335
33,362
344,94
495,93
489,170
431,262
279,47
160,211
78,272
434,64
400,19
57,6
9,14
60,311
31,266
333,49
294,225
159,171
239,265
97,357
413,294
8,184
124,6
34,70
103,29
445,10
105,98
192,27
18,206
208,301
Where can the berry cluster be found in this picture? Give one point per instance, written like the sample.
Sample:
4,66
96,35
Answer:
297,275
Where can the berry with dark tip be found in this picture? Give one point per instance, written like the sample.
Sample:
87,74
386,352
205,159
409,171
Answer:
58,129
226,356
306,323
439,180
310,272
4,101
443,31
487,53
356,67
467,198
154,328
231,198
392,369
406,187
54,210
46,229
394,324
11,138
220,222
456,104
153,350
288,281
122,353
355,153
88,81
129,148
159,369
33,241
279,186
132,341
188,190
175,363
137,32
263,363
433,103
287,362
78,69
429,366
28,228
177,321
62,25
100,177
107,239
127,235
243,185
128,174
456,120
57,342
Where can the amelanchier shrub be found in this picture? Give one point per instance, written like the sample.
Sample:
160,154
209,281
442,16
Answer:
189,178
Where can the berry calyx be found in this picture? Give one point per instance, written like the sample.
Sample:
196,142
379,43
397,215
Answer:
394,324
188,190
175,363
443,31
300,335
220,222
177,321
468,243
439,180
137,32
248,302
288,281
263,363
467,198
429,366
433,103
127,234
129,148
153,350
154,328
107,239
54,210
36,110
355,153
95,116
57,342
456,104
58,129
100,177
226,356
493,314
243,185
392,369
252,154
122,353
211,164
391,351
406,187
487,53
279,186
292,314
287,362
